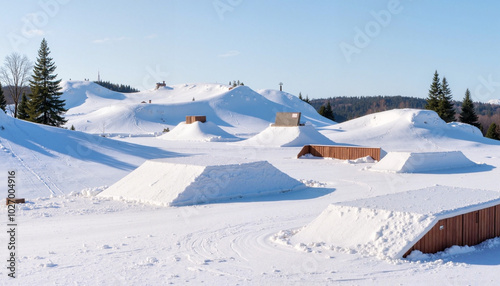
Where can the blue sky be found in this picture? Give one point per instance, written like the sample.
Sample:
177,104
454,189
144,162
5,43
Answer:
320,48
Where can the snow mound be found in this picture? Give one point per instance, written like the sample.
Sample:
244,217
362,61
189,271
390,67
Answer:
198,180
494,101
422,162
404,130
198,131
389,225
277,136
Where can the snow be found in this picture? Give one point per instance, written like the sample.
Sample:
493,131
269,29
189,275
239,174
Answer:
422,162
70,235
241,110
198,131
389,225
199,180
494,101
295,136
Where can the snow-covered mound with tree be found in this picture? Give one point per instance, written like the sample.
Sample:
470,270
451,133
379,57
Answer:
198,131
240,110
292,136
405,130
200,180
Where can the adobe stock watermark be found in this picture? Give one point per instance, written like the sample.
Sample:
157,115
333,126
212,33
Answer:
372,29
224,6
486,88
153,76
33,23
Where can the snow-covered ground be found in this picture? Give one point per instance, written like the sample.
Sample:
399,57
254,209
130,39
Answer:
69,235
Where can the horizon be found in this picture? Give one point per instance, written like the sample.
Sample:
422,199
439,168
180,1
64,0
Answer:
325,50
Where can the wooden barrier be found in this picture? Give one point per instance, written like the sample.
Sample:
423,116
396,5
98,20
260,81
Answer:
340,152
14,201
467,229
191,119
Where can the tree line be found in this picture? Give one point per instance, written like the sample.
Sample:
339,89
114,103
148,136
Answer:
117,87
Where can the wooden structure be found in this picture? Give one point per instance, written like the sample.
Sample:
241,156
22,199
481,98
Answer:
14,201
340,152
467,229
287,119
159,84
190,119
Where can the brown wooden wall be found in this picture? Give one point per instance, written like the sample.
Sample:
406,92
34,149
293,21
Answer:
467,229
191,119
340,152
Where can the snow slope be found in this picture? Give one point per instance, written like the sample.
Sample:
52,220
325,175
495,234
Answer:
277,136
198,131
95,109
494,101
55,161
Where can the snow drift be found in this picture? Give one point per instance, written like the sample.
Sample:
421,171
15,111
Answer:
389,225
198,131
299,136
422,162
198,180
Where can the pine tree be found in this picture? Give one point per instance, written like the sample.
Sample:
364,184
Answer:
468,114
45,106
3,102
434,92
445,108
22,110
326,111
493,132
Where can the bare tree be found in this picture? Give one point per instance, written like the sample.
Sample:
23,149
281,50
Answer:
15,75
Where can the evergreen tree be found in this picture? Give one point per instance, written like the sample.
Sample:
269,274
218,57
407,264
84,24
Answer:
3,102
445,106
434,93
22,110
45,106
493,132
468,114
327,111
72,128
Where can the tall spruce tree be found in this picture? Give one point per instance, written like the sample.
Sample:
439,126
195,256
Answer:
445,108
468,114
3,102
434,93
22,109
493,132
44,105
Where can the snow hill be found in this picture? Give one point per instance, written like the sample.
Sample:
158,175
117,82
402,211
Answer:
494,101
55,161
241,110
409,130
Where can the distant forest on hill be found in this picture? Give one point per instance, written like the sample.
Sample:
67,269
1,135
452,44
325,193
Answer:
117,87
347,108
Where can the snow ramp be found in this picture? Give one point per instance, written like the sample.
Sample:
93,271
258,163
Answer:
298,136
199,180
422,162
198,131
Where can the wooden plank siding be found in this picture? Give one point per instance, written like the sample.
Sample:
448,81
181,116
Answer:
340,152
191,119
467,229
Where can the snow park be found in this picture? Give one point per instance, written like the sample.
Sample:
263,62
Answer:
224,198
231,142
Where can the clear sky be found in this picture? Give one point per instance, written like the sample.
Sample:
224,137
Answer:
320,48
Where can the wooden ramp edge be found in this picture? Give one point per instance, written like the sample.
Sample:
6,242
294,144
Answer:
340,152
